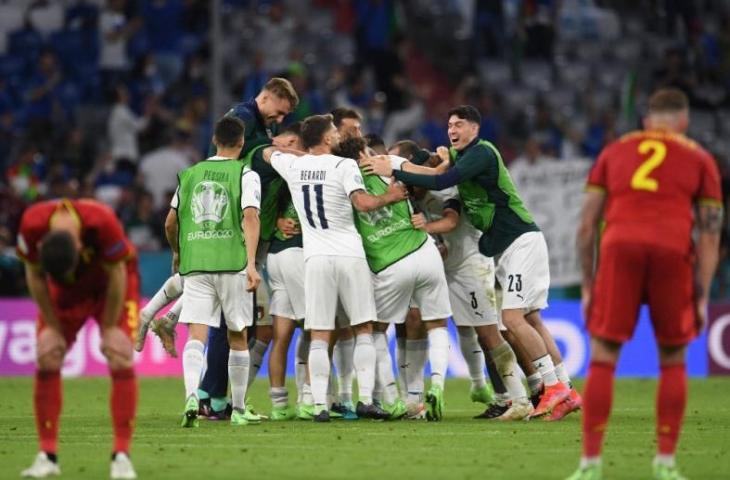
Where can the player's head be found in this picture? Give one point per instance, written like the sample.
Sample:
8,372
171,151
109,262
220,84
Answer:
59,254
463,126
353,147
348,122
290,137
376,143
277,100
228,133
319,131
669,110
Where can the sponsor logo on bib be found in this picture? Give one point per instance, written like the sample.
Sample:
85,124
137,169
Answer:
209,204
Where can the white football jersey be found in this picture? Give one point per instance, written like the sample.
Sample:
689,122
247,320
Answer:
320,187
463,241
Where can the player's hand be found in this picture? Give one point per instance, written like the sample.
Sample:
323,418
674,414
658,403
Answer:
701,313
444,155
396,191
377,165
419,221
253,279
288,226
175,262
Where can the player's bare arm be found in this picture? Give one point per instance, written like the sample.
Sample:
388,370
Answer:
364,202
251,231
446,224
38,288
288,226
586,239
381,165
171,233
268,151
709,227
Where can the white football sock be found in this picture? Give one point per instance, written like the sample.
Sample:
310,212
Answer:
300,367
331,387
307,398
417,353
342,357
257,350
319,371
400,358
193,361
474,356
562,375
589,461
384,368
664,459
545,366
364,358
171,289
438,355
174,312
506,362
239,362
279,396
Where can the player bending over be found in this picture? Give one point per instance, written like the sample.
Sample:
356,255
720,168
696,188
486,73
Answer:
651,187
79,264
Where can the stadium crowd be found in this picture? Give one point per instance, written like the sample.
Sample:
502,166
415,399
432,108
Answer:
110,99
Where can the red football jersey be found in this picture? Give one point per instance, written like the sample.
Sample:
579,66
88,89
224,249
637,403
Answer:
652,180
103,242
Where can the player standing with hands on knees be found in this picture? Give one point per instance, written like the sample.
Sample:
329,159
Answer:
79,264
651,187
213,230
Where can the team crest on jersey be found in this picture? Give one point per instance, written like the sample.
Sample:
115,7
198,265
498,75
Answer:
209,203
376,217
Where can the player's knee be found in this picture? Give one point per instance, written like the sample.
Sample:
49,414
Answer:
117,349
671,355
238,340
50,350
363,328
264,333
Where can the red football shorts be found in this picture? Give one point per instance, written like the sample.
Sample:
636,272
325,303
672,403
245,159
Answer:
89,302
631,274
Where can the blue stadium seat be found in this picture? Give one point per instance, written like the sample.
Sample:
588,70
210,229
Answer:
73,47
26,43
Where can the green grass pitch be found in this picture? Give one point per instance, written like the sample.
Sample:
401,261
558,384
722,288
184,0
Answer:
456,448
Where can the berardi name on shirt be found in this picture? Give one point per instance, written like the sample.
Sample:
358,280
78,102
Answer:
308,175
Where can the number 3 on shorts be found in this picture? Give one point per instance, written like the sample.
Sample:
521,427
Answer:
514,283
641,179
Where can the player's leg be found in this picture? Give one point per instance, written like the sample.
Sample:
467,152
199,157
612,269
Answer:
214,384
165,326
171,290
534,379
616,299
238,308
51,347
283,333
400,359
673,313
431,294
200,304
416,357
342,359
305,402
260,342
356,295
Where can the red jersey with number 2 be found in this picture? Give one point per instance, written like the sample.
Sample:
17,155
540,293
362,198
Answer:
652,180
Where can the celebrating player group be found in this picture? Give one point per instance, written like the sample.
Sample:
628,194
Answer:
318,227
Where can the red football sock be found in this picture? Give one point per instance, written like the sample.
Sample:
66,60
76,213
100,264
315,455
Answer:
47,399
671,401
123,404
597,398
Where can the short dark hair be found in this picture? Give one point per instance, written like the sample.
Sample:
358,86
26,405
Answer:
292,129
406,148
466,112
668,100
229,131
314,128
341,113
282,88
350,148
374,141
58,254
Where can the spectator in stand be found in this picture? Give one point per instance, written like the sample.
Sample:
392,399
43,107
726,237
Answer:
675,73
160,167
164,29
144,225
114,31
538,25
276,34
123,127
534,154
12,273
40,96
